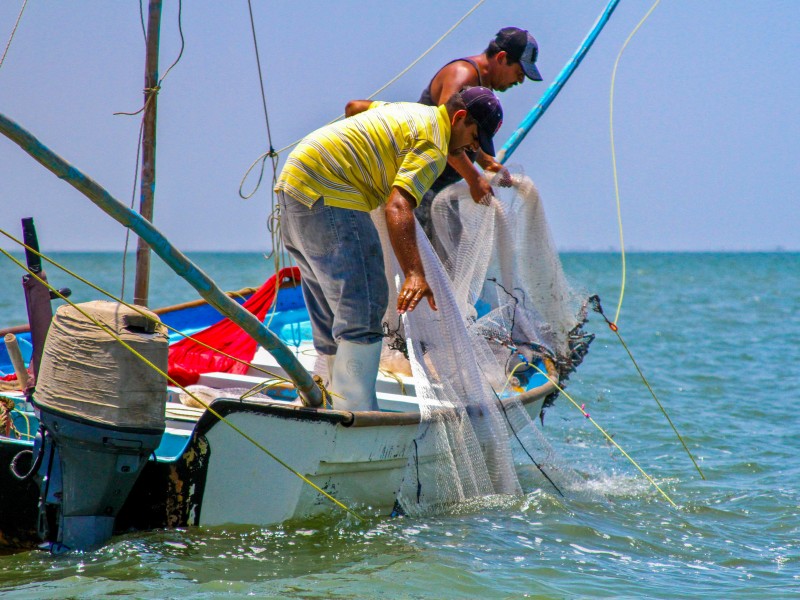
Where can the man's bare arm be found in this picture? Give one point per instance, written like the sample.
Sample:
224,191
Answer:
401,225
356,106
450,80
479,188
487,163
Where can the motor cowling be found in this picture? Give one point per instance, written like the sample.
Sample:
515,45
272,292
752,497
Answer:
101,408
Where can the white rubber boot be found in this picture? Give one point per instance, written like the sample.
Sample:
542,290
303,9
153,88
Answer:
329,362
354,374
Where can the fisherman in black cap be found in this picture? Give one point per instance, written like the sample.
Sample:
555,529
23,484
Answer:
509,58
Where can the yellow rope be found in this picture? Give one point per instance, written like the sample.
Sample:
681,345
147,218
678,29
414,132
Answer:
613,324
404,71
653,394
603,431
7,406
137,309
267,384
396,377
424,54
149,363
511,375
614,156
613,327
27,422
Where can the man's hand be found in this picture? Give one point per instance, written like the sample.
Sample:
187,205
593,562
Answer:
414,289
481,191
501,176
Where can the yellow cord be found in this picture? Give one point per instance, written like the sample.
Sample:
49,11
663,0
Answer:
614,156
663,410
9,406
622,243
182,388
27,422
511,375
608,437
139,310
396,377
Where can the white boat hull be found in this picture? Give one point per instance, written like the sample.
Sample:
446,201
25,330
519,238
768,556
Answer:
362,467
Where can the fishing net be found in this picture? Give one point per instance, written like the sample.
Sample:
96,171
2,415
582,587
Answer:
503,301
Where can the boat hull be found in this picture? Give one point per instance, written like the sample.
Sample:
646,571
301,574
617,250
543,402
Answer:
360,466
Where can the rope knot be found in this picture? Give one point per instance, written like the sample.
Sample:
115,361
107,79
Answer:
597,307
326,394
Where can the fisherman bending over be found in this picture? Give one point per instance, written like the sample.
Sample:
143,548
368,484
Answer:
388,155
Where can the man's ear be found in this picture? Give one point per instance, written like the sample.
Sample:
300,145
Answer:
458,116
501,57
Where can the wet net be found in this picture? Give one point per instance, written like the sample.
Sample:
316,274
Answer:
503,302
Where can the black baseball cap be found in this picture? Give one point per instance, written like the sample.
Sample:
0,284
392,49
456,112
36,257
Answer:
521,47
484,107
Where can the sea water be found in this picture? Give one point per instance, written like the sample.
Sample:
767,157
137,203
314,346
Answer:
716,336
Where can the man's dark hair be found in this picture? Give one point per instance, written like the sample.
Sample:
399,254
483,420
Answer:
492,49
456,103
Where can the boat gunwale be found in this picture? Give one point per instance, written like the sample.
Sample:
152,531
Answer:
227,406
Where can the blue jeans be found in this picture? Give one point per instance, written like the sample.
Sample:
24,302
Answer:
341,262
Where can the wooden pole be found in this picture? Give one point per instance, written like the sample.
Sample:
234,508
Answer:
14,353
310,392
148,178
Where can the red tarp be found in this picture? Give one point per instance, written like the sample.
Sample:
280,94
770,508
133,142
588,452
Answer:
188,359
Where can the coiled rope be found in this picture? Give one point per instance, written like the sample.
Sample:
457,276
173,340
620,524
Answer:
275,153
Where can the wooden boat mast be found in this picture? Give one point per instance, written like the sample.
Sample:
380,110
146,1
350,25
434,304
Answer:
148,176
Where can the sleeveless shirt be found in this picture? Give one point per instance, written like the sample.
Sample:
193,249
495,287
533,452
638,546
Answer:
450,175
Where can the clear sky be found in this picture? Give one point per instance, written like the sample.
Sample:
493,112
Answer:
706,112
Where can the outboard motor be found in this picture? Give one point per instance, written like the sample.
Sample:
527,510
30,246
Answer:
101,410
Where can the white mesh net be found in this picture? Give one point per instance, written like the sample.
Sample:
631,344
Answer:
501,294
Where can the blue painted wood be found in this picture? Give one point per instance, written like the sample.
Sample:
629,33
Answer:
550,94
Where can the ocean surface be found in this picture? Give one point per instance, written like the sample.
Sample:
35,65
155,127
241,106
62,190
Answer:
716,335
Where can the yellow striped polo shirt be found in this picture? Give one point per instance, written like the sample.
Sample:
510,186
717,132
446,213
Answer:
354,163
